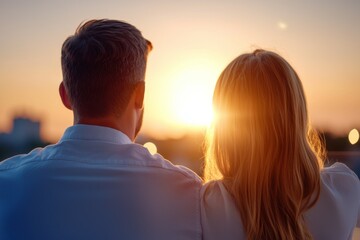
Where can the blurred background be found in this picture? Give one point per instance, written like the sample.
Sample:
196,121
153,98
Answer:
193,41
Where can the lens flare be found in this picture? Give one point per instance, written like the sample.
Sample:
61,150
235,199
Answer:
151,147
353,136
282,25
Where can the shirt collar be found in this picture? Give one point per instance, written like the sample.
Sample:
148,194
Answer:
95,133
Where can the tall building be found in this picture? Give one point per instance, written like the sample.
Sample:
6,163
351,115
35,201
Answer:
24,135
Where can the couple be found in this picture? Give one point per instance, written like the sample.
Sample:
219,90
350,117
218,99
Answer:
263,162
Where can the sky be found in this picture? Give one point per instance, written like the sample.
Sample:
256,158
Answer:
193,42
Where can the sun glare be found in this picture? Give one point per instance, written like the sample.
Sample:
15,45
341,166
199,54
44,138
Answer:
192,95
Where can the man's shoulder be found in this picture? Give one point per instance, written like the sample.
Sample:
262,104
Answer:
20,160
140,154
117,156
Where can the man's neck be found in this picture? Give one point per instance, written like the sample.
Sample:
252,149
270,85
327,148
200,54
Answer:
110,122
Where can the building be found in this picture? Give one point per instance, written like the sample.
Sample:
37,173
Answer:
23,136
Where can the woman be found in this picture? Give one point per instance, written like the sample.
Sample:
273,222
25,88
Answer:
264,162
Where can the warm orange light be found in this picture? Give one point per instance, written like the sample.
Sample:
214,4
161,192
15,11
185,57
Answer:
192,95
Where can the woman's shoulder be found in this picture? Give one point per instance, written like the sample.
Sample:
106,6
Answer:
213,189
340,184
340,177
339,168
219,216
215,196
338,206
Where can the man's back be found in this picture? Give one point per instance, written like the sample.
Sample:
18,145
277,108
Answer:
96,184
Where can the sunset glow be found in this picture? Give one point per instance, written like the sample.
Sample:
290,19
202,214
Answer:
193,42
192,93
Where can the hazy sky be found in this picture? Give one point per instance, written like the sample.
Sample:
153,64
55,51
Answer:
193,41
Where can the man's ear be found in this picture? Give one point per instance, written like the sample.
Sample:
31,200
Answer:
64,96
139,94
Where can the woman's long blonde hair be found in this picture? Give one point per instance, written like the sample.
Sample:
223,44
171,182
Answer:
262,147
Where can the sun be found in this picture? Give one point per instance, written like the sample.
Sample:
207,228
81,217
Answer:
192,91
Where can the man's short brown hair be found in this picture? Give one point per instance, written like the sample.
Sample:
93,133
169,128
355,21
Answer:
101,64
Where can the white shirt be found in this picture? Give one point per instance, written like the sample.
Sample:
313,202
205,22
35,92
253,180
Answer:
96,184
334,216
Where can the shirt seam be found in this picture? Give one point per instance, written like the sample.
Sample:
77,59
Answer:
198,208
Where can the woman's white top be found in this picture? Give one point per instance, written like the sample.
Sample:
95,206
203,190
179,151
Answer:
334,216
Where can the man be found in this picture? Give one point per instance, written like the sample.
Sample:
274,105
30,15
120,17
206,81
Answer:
95,183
